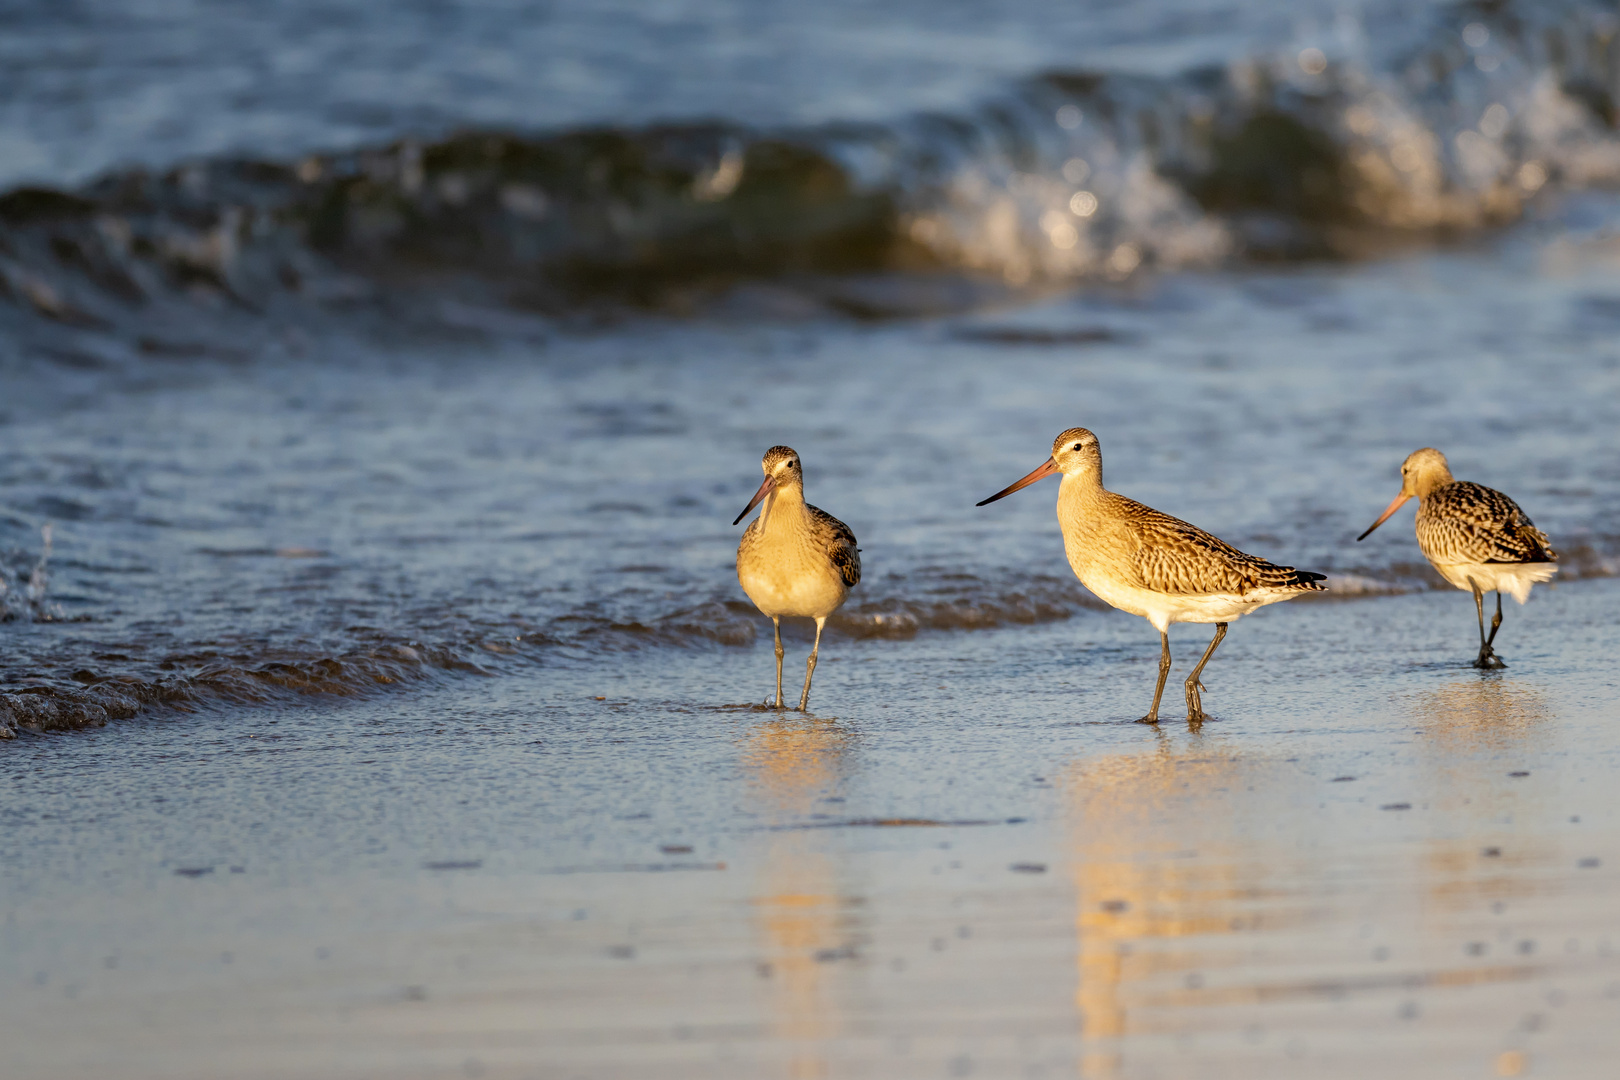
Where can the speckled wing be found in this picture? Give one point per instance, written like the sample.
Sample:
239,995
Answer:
1470,523
1180,559
841,549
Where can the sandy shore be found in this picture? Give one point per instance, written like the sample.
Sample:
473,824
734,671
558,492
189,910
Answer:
968,863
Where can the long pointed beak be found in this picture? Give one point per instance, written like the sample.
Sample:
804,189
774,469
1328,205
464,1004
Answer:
1048,467
764,490
1400,500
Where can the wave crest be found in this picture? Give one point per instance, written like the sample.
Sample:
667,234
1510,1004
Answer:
1328,149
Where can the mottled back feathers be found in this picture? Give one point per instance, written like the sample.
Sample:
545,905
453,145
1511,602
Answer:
1171,556
1464,522
841,549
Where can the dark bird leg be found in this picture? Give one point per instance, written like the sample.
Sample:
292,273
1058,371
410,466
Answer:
1164,672
1496,624
1195,708
777,623
810,668
1486,659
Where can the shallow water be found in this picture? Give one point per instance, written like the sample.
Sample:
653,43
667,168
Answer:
388,504
969,861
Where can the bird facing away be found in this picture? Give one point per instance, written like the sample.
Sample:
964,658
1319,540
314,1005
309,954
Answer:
794,559
1152,565
1477,538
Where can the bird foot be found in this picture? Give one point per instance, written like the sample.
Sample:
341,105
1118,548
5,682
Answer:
1196,716
1150,718
1489,661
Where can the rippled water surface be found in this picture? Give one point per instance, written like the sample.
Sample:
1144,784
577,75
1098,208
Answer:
375,503
88,85
968,862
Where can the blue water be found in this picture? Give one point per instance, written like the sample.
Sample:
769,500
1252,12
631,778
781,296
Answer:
92,85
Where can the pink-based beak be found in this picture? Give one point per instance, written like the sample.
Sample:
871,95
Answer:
764,490
1048,467
1400,500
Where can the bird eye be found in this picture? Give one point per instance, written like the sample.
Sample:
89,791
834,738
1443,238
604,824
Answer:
1076,446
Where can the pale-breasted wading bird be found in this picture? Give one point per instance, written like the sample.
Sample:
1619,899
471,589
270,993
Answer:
794,559
1476,537
1152,565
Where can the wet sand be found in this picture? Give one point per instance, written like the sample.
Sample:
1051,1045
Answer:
968,862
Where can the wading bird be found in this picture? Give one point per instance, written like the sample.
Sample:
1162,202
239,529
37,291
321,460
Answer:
1476,537
794,559
1152,565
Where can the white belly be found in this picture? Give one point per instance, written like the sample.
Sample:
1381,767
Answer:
1515,579
1162,609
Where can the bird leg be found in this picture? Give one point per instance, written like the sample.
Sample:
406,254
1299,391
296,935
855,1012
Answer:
1195,706
777,623
1164,672
1487,658
810,667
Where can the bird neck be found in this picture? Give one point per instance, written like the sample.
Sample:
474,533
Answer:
1081,487
1080,508
1429,480
784,503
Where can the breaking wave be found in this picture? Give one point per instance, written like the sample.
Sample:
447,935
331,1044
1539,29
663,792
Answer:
1336,146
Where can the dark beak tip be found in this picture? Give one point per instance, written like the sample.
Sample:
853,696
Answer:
759,496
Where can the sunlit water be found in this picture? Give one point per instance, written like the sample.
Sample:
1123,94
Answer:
968,862
384,502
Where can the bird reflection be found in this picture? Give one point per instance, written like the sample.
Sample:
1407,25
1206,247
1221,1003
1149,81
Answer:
793,764
1507,721
1483,713
1137,884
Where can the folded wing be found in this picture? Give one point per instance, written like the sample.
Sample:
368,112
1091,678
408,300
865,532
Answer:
841,549
1470,523
1177,558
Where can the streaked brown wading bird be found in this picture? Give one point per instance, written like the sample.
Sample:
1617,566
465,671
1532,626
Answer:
794,559
1152,565
1476,537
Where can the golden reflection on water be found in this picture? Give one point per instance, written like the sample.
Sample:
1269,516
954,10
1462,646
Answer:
1193,892
792,763
1135,884
1476,729
1487,712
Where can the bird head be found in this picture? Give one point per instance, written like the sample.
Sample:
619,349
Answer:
1074,453
781,467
